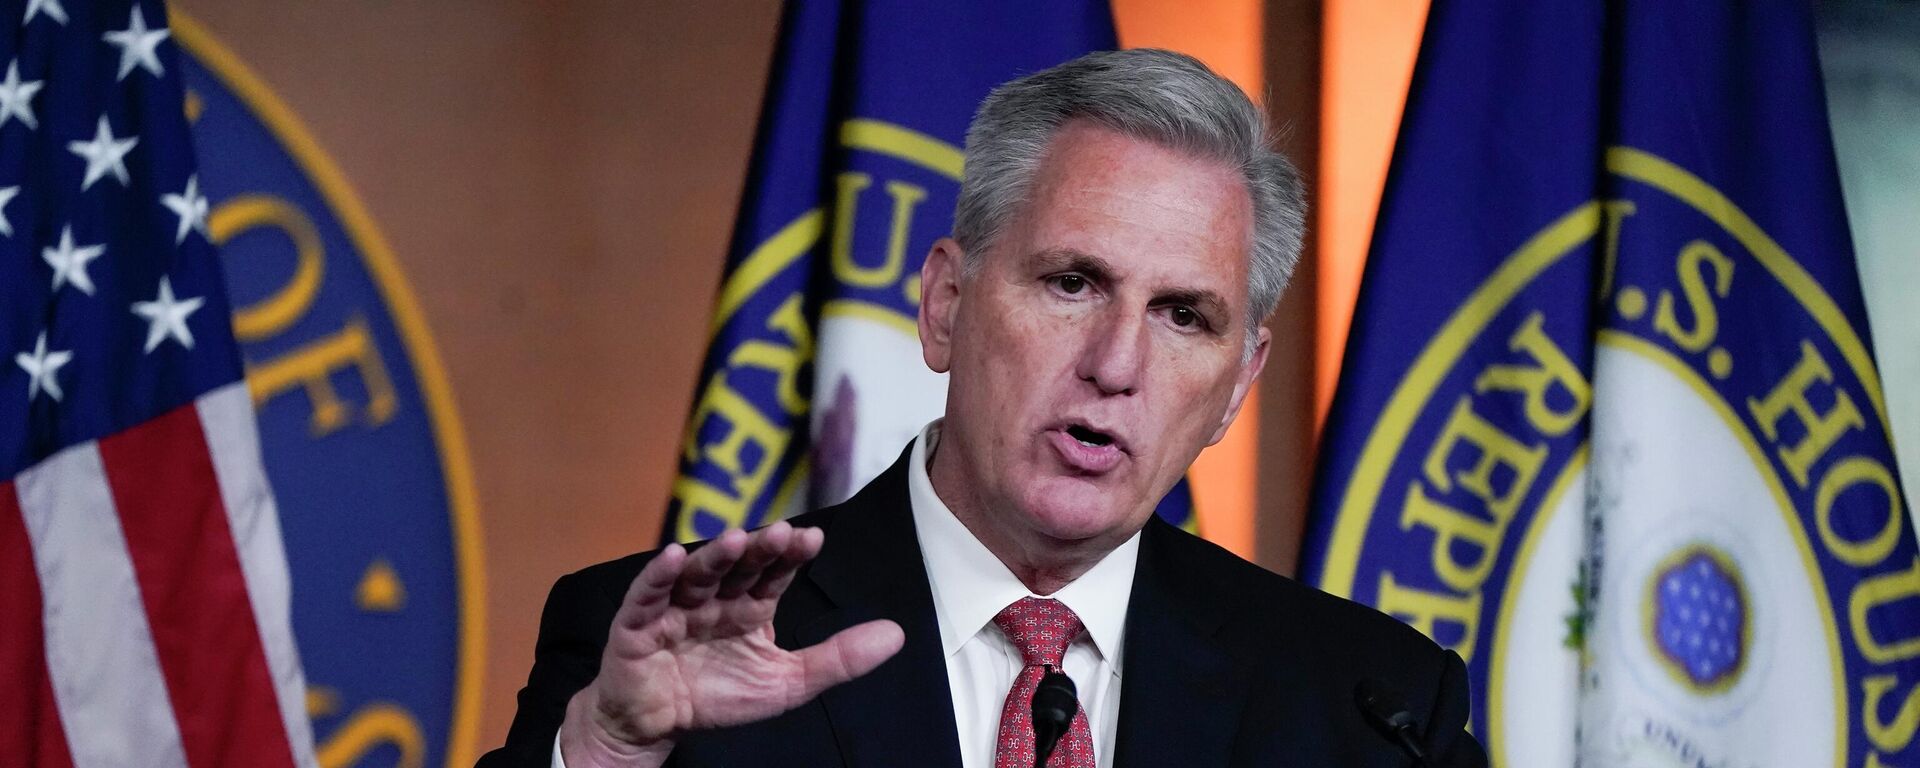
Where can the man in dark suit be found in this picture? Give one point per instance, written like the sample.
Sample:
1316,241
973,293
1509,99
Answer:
1122,232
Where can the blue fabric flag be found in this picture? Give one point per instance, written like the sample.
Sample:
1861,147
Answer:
813,379
1609,425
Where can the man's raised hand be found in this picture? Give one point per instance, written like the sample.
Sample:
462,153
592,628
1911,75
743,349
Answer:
692,648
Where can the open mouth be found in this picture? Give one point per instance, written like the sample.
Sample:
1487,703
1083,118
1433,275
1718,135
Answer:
1089,437
1088,451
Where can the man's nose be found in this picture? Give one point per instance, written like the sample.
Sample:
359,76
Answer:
1115,352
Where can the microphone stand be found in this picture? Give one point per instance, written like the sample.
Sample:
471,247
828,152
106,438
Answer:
1387,713
1055,701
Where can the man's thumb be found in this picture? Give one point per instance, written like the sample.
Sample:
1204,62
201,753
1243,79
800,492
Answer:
850,653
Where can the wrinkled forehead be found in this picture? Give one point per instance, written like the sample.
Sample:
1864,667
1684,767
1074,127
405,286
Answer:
1147,209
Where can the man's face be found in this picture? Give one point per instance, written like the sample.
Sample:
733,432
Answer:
1100,345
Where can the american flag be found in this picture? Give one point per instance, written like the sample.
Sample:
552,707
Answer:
144,616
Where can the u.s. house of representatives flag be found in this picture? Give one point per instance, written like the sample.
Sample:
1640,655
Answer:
1609,424
813,380
143,587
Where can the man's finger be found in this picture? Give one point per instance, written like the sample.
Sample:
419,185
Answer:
764,546
706,566
803,546
850,653
647,596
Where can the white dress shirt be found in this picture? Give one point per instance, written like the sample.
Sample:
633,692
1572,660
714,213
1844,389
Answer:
971,585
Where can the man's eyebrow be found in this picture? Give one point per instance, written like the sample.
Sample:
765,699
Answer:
1208,303
1069,260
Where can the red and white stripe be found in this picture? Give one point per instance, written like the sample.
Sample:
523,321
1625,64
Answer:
162,591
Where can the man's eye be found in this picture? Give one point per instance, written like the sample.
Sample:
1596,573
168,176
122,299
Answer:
1070,284
1184,317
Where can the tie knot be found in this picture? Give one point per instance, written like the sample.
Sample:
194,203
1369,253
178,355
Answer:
1041,627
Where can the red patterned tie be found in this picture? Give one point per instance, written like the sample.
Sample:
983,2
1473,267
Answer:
1041,628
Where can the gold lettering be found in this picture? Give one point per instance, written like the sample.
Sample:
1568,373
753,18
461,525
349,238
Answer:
746,425
275,313
1450,526
1894,736
1823,429
312,365
1876,591
1852,471
1551,367
1694,259
784,361
1496,449
697,500
845,268
1423,610
371,727
1614,213
911,290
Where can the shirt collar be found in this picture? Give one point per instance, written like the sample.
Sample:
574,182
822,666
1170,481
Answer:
970,585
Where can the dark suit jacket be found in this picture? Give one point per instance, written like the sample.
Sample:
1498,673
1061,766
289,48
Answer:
1225,663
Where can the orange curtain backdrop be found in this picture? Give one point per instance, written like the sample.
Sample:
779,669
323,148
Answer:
1369,47
1226,34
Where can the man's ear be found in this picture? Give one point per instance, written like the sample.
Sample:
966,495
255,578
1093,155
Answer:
940,302
1249,371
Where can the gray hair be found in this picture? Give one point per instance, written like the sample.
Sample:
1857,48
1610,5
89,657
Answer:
1167,98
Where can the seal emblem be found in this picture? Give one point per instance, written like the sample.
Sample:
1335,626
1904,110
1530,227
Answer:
1699,610
357,430
1627,510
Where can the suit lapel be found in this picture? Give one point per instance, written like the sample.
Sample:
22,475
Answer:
1180,699
1180,696
871,568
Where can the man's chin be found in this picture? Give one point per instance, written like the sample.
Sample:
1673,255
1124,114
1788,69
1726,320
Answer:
1072,509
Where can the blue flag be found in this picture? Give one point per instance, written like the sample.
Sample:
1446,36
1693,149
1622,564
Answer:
813,381
1609,425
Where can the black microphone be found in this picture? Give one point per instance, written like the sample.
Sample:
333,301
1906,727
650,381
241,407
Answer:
1387,713
1054,703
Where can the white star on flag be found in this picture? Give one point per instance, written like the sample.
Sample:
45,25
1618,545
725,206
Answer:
52,7
16,97
70,263
138,46
167,317
6,196
42,368
104,154
190,206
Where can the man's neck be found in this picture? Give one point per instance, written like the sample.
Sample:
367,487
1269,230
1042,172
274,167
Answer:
1043,565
